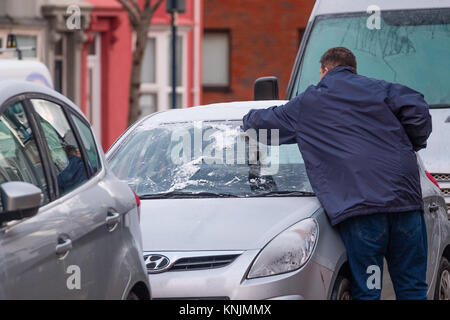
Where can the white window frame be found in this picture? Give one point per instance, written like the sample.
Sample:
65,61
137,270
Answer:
38,33
161,88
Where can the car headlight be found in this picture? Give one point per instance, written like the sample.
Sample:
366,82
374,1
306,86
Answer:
288,251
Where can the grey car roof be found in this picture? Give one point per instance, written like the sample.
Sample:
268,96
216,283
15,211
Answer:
212,112
11,88
343,6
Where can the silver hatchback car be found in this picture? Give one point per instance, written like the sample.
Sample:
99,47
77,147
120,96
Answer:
436,157
68,228
222,221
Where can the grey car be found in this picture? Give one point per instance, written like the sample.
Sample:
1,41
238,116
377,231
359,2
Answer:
224,220
68,228
436,157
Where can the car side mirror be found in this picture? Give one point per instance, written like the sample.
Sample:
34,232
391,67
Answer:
20,200
266,88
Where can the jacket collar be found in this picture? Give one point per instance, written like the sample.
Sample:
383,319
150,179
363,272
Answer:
339,69
336,70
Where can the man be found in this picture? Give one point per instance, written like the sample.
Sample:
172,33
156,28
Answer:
358,136
75,172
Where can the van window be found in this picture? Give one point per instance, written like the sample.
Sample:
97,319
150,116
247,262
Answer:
412,47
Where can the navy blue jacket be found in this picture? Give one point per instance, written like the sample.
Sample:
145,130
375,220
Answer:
73,175
357,136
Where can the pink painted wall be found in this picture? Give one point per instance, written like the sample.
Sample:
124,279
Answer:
109,18
111,21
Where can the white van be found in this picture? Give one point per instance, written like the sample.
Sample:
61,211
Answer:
32,71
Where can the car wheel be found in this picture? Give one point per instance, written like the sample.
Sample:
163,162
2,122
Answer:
341,290
442,291
132,296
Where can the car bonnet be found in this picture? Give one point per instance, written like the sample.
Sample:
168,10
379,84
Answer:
219,224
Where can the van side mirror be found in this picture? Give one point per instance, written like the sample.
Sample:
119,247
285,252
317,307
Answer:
266,88
19,200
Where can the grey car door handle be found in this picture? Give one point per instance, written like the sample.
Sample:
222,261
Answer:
112,220
63,247
433,207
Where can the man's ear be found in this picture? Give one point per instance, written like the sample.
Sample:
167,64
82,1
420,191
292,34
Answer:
323,71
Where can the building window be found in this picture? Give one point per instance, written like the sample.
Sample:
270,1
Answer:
148,69
147,103
59,67
216,60
179,61
156,75
94,86
29,44
30,40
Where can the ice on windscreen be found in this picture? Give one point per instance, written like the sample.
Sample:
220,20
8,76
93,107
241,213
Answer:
221,137
224,135
182,175
141,183
235,179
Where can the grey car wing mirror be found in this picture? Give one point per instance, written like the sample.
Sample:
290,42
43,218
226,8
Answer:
266,88
19,200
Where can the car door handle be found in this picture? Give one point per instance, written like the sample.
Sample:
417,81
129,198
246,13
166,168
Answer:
112,220
433,207
63,247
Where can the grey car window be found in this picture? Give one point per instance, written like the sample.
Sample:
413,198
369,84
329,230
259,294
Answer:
220,164
64,149
19,156
88,141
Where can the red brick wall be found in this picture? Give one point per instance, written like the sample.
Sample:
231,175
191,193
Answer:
264,41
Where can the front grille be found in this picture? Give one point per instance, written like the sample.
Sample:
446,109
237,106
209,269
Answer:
198,263
441,177
446,191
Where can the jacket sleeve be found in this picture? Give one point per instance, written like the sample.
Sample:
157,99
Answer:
412,111
284,118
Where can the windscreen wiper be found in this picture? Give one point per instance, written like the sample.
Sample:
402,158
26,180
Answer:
440,106
285,194
181,195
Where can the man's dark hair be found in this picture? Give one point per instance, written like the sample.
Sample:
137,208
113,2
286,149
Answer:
338,56
70,149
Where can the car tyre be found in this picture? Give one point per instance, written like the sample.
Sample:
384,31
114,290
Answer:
132,296
341,289
442,291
